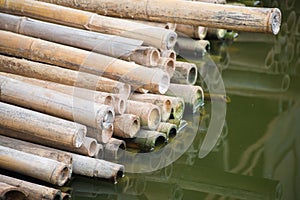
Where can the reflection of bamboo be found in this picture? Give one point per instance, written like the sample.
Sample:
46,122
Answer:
35,166
185,73
169,129
114,149
34,191
11,192
171,191
126,125
291,21
40,128
153,79
196,32
216,97
62,76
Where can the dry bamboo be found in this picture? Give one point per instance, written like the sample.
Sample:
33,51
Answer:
185,12
167,64
150,114
126,125
167,25
34,191
154,36
192,95
103,135
38,127
9,192
168,54
163,102
186,46
61,75
114,149
212,1
88,147
196,32
35,166
167,128
92,167
35,49
55,103
185,73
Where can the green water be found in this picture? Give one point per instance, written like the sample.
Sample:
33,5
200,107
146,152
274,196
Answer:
257,155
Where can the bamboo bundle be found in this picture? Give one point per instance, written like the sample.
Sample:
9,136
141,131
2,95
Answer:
126,125
196,32
185,73
38,127
185,12
63,76
38,167
149,114
34,191
11,192
55,103
114,149
158,37
138,76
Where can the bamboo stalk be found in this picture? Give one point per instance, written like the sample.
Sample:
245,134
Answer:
11,192
154,36
55,103
114,149
185,12
34,191
63,76
169,129
103,135
167,25
196,32
168,54
126,125
163,102
185,73
212,1
167,65
153,80
35,166
38,127
149,114
88,147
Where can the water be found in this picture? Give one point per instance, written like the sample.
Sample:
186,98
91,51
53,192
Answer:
257,155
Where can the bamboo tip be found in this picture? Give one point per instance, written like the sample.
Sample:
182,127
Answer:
106,134
172,132
171,39
135,126
60,175
92,148
154,57
178,109
11,192
275,21
170,67
121,104
154,118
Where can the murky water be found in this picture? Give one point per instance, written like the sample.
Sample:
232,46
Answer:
257,153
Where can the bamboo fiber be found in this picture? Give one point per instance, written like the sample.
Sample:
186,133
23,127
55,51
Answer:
38,167
126,125
55,103
150,114
154,36
185,12
185,73
114,149
38,127
138,76
63,76
34,191
11,192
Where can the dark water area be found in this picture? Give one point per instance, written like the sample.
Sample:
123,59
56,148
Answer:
256,153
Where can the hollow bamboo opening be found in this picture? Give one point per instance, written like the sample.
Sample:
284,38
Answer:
192,75
153,118
164,84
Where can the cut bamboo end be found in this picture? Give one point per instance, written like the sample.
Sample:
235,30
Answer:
114,149
88,147
120,104
216,33
168,65
178,107
185,73
274,21
169,129
9,192
126,125
99,151
168,54
147,56
101,135
61,175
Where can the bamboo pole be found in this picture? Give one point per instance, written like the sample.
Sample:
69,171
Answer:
55,103
215,33
103,135
167,25
169,129
168,54
63,76
154,36
38,127
167,65
187,46
153,80
99,151
150,114
185,12
34,191
212,1
185,73
37,167
126,125
11,192
178,107
114,149
196,32
88,147
163,102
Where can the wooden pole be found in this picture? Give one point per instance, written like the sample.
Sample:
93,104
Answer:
150,114
185,73
37,167
11,192
34,191
138,76
55,103
114,149
154,36
126,125
38,127
238,18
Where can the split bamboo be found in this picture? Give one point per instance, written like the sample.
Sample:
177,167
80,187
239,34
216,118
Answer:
252,19
167,65
34,191
103,135
37,167
38,127
163,102
9,192
114,149
158,37
167,128
63,76
126,125
88,147
196,32
92,167
55,103
150,114
168,54
185,73
138,76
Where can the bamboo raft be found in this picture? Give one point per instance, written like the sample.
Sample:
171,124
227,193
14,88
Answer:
78,87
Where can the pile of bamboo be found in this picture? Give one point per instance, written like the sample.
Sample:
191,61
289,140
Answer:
72,99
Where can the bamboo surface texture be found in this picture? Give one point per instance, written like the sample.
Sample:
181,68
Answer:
187,12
